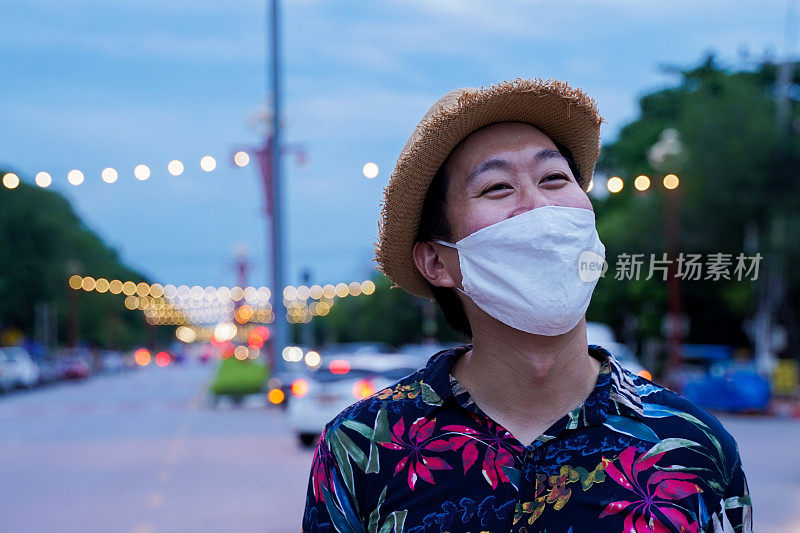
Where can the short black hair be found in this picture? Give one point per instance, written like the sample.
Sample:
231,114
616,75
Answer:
433,225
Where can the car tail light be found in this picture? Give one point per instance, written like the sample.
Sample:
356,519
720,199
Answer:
363,389
299,388
339,366
645,374
276,396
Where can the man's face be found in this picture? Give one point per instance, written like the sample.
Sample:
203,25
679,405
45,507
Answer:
503,170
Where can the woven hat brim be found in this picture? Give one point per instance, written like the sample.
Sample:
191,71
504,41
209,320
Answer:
565,114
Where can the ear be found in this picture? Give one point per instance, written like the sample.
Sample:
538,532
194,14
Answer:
432,261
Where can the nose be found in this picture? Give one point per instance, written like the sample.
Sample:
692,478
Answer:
530,198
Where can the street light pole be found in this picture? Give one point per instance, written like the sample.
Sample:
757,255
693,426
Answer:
280,328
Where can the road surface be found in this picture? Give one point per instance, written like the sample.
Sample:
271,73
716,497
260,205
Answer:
141,452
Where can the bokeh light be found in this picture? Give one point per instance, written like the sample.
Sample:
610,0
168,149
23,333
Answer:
208,163
614,184
43,179
141,172
641,183
671,181
175,167
162,358
241,159
109,175
142,357
300,388
75,177
313,359
10,181
370,170
276,396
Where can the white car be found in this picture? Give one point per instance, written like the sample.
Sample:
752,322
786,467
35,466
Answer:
603,335
339,382
18,364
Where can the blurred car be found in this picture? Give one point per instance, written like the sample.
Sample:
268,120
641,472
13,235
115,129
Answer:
357,348
48,372
73,367
19,365
339,382
602,335
599,333
425,350
730,386
7,381
112,361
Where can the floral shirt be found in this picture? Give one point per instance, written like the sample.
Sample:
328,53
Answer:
420,456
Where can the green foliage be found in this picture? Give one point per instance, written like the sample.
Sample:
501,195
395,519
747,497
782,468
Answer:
239,378
738,172
389,315
41,241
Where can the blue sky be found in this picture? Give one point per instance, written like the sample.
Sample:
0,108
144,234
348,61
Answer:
89,84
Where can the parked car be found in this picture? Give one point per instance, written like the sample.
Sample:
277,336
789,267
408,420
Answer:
7,381
48,372
18,363
602,335
339,382
73,367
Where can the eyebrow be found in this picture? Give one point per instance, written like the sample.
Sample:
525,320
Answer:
501,164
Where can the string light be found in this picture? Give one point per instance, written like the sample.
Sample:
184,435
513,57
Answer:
10,181
109,175
183,305
175,167
43,179
141,172
75,177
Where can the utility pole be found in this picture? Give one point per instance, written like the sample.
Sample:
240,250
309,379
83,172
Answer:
280,331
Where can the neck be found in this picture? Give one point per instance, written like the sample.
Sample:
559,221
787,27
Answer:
523,381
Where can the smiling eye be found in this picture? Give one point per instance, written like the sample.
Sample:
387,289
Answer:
556,176
496,187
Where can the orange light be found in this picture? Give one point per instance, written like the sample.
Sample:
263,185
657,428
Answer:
645,374
363,389
142,357
339,366
258,336
300,388
162,358
276,396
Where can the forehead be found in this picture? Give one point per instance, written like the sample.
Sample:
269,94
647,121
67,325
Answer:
504,138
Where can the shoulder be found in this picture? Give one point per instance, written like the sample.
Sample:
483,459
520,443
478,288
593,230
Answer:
681,417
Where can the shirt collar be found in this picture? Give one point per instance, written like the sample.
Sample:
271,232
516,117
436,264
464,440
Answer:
614,392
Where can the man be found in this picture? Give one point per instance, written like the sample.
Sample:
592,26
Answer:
528,428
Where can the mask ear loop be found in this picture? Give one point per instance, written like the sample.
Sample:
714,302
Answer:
451,245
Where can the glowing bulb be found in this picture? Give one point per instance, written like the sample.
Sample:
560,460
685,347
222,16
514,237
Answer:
370,170
109,175
142,172
241,159
175,167
641,183
11,180
75,177
614,184
368,287
43,179
208,163
671,181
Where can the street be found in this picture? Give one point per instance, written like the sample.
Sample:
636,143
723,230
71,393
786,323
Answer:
141,452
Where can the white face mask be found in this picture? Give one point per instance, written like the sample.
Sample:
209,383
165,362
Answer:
536,271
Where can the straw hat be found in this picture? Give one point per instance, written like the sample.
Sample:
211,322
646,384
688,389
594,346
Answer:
565,114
